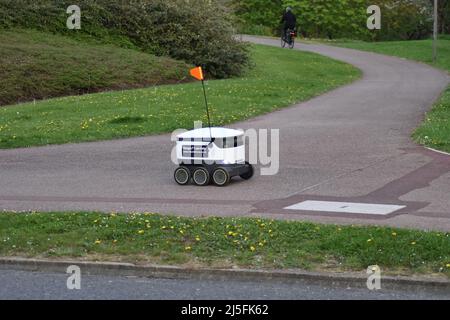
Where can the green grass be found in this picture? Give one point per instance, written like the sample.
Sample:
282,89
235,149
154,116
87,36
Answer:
37,65
279,78
222,242
419,50
435,130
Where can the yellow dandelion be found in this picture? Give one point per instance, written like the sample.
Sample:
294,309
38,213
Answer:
197,238
141,231
188,248
97,242
448,265
394,234
413,243
369,240
252,248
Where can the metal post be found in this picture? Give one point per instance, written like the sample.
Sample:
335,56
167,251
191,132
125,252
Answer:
435,31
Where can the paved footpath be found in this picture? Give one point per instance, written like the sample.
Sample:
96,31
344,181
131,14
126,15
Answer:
351,145
37,285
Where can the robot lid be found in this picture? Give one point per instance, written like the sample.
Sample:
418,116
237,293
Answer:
215,132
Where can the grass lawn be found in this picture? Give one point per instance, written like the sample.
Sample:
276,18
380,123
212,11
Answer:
279,79
222,242
37,65
435,130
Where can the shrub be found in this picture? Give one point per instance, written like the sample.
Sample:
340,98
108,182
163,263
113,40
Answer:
199,32
405,19
401,19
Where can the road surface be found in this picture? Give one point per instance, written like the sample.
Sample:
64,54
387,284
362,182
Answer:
36,285
351,145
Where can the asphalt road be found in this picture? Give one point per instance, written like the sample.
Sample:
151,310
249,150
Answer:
36,285
352,144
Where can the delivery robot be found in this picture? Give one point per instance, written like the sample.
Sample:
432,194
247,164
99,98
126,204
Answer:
211,155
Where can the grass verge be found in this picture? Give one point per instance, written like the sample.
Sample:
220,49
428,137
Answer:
223,242
37,65
279,78
435,130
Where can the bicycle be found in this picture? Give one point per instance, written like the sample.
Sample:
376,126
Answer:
288,39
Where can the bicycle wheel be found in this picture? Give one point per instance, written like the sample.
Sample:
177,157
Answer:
292,43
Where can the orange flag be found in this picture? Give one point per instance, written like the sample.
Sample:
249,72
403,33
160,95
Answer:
197,73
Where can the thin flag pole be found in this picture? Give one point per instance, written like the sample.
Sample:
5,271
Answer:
197,73
207,109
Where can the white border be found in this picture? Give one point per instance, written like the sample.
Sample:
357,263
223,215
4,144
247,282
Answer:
441,152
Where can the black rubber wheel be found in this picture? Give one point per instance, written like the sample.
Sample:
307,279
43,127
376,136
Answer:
182,175
221,177
201,177
249,174
292,44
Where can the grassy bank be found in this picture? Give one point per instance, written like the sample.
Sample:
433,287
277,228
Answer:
435,130
220,242
279,78
37,65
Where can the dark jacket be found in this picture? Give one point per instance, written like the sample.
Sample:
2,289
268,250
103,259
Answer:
289,20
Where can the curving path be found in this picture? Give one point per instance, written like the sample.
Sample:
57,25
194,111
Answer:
349,145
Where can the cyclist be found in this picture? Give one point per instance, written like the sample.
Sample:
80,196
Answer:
289,20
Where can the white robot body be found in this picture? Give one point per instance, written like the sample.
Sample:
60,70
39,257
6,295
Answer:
220,146
215,154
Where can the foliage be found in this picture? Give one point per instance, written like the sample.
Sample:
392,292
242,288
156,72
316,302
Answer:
405,19
199,32
331,19
401,19
258,14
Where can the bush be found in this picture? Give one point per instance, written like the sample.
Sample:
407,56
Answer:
199,32
331,19
405,20
258,16
401,19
